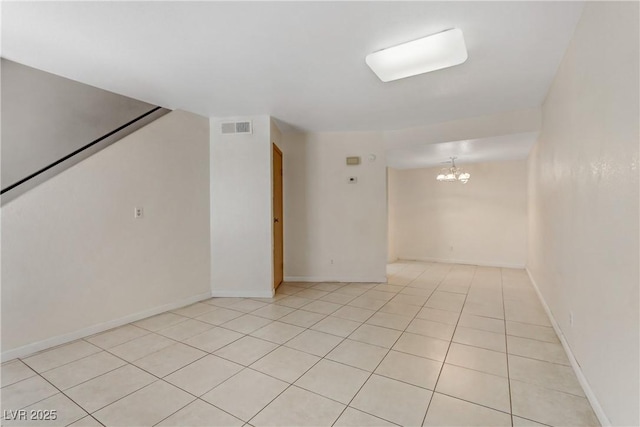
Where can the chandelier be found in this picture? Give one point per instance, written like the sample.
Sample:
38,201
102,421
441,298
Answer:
453,173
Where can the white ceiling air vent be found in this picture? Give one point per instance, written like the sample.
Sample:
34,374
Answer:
236,127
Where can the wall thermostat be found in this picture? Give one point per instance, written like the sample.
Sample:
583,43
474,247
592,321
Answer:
355,160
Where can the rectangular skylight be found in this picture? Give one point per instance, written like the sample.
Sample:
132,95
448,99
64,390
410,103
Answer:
441,50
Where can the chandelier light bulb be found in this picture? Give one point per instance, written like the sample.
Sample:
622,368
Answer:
453,174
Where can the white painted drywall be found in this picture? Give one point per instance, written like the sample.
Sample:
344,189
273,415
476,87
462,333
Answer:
326,218
483,222
392,255
74,257
45,117
241,210
583,206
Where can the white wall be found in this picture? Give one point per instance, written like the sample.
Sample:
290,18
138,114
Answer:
241,210
74,259
583,207
325,217
45,117
483,222
392,254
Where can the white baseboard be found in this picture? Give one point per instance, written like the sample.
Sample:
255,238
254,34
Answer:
461,261
595,404
101,327
222,293
342,279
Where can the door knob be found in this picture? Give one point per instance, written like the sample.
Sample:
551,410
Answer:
276,220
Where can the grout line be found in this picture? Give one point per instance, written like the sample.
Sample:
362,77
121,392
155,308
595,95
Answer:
435,386
278,345
506,347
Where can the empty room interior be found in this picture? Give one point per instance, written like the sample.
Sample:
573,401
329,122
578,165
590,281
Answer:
320,213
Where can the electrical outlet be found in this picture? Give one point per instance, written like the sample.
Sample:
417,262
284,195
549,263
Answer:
138,212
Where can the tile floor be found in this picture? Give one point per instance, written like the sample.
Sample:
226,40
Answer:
438,345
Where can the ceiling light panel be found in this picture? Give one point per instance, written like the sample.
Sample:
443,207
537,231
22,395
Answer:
435,52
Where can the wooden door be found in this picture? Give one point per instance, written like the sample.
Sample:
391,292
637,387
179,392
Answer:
278,225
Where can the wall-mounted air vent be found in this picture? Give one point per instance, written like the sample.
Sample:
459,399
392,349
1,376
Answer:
236,127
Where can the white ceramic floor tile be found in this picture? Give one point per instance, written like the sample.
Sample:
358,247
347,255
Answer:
328,287
410,369
14,371
26,392
312,293
376,335
523,422
492,309
478,338
194,310
246,350
160,321
393,400
367,302
145,407
483,323
219,316
285,364
354,313
443,316
479,359
106,389
431,328
298,407
247,323
169,359
74,373
185,330
349,289
336,326
203,374
213,339
87,421
383,296
304,319
358,354
117,336
333,380
58,356
140,347
338,298
550,407
321,307
535,332
223,302
353,418
545,374
278,332
66,412
388,320
247,305
410,299
419,345
273,311
474,386
534,349
294,302
314,342
401,309
246,393
200,414
449,411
